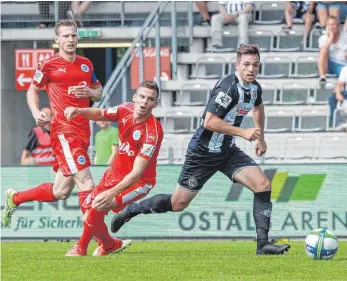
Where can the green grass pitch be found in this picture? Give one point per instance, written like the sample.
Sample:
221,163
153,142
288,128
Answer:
167,260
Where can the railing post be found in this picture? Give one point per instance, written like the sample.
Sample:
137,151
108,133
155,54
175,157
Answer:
122,13
124,87
190,23
174,41
157,49
56,11
141,63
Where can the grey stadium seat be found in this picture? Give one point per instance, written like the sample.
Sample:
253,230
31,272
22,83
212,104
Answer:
321,94
263,38
298,147
269,95
313,121
332,147
210,67
276,67
193,94
294,93
269,13
288,42
179,122
279,121
305,67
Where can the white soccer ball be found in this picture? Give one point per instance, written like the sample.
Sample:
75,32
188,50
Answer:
321,244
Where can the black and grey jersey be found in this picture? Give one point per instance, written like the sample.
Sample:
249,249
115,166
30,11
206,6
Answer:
231,101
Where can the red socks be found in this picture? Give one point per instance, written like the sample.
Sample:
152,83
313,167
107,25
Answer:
82,195
95,226
43,193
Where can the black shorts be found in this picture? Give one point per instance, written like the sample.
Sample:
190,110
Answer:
201,165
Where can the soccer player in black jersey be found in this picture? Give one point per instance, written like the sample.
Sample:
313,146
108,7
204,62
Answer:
212,148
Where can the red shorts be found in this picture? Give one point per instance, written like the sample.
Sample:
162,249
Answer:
71,153
131,194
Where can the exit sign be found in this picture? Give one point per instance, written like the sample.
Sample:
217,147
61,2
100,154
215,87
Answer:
87,33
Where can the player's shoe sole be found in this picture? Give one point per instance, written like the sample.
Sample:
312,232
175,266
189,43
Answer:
99,251
9,208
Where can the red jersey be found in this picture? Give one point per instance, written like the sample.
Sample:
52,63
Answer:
135,139
60,76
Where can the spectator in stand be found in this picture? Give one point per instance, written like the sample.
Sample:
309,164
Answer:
339,98
202,7
38,150
332,50
78,8
304,10
106,143
239,12
325,9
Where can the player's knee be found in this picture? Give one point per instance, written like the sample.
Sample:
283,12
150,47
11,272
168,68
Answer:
179,205
62,194
263,185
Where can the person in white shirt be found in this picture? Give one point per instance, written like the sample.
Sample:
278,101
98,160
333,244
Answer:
340,95
332,50
239,12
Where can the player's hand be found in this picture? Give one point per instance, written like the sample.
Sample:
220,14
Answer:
260,147
103,201
82,91
70,112
251,134
41,119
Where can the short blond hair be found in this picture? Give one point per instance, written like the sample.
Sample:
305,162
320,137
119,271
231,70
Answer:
150,84
64,23
248,50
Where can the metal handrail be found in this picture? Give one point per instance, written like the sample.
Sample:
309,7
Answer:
118,74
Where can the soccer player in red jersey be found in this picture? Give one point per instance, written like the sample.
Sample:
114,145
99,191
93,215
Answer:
133,172
70,81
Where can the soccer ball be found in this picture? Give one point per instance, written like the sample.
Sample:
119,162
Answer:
321,244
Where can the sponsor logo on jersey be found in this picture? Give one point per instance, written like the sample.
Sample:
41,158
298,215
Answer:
136,135
84,67
62,70
124,148
148,149
81,160
223,99
112,110
244,109
38,76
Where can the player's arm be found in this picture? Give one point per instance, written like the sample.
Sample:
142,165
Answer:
259,119
218,106
96,93
95,114
33,101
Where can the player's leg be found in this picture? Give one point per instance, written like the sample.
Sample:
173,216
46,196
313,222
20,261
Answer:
242,169
196,170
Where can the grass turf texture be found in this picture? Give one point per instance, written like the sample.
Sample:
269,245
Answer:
154,261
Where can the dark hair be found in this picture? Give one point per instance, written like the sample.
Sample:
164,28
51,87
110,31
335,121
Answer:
247,50
64,23
150,84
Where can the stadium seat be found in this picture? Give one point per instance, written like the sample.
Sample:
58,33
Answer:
269,95
180,122
321,94
313,121
313,41
279,121
230,42
294,93
209,67
288,42
269,13
305,67
276,67
340,116
180,152
274,148
193,94
263,38
337,142
299,147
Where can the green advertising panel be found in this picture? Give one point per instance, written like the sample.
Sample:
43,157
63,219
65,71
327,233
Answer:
304,197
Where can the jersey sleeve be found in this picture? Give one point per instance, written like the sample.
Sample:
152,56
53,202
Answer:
41,75
112,113
95,81
221,98
259,99
151,143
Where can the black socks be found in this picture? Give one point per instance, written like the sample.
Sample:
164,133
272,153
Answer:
262,208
